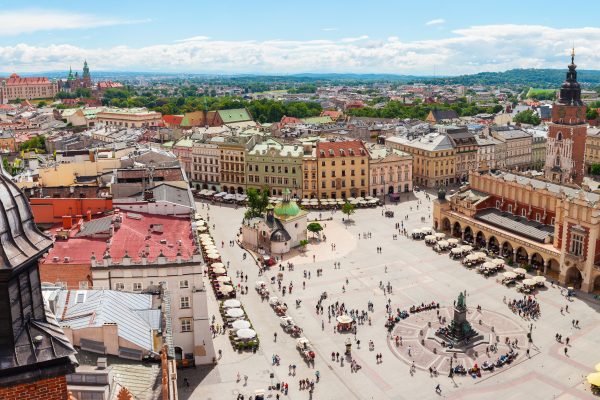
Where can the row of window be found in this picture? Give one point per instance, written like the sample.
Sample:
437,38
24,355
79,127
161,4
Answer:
280,169
342,184
332,162
390,178
138,286
274,180
352,173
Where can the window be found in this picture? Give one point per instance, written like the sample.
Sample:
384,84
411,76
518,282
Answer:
184,302
537,217
184,284
186,325
119,286
510,208
137,286
576,244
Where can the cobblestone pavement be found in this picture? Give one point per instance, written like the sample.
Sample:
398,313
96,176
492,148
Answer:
416,274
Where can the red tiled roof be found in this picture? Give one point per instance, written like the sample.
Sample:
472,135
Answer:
331,113
172,119
131,236
341,149
16,80
109,84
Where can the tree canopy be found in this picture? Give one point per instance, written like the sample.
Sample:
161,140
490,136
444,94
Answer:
396,109
258,200
348,209
527,117
314,227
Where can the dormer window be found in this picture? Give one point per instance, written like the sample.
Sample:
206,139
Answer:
331,152
341,152
322,153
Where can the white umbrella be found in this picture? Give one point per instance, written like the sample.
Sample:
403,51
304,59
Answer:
430,237
240,324
232,303
350,199
273,300
340,201
204,236
373,201
519,271
426,229
217,265
466,248
443,243
440,235
416,232
210,247
214,256
529,282
498,261
234,313
480,254
226,289
219,271
246,333
369,198
539,279
453,241
259,284
509,275
489,265
202,229
472,257
456,251
200,223
223,279
344,319
359,198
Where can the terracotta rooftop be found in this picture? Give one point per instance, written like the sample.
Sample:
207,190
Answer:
15,80
130,238
352,148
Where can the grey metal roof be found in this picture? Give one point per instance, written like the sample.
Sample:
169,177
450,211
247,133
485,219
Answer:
132,312
95,226
513,223
172,194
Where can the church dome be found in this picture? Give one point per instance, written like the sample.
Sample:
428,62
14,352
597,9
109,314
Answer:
287,208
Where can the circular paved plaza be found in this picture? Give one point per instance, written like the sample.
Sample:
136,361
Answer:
417,275
419,345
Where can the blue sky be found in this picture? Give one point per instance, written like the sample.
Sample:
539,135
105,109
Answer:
259,36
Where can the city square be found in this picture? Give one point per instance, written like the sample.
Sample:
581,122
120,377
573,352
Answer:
404,273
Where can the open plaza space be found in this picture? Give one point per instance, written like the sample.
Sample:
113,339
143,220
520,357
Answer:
402,273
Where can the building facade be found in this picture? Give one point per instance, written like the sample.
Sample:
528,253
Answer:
206,170
233,165
342,169
275,165
129,117
390,171
14,87
550,229
433,157
309,171
592,148
565,150
517,147
465,148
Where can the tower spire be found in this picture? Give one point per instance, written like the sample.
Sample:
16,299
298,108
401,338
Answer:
573,54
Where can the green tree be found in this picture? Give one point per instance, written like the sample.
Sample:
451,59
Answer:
314,228
595,170
258,200
527,117
303,244
36,142
348,209
591,113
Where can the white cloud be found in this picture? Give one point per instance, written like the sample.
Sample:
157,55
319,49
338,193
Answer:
193,39
330,29
437,21
468,50
15,22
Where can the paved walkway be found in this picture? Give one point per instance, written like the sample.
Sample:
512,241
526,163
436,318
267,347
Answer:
416,274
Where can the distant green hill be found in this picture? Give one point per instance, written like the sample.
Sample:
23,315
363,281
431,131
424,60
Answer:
541,78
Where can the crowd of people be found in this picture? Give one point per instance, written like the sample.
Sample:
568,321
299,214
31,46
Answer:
527,307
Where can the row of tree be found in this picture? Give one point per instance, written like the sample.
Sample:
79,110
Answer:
396,109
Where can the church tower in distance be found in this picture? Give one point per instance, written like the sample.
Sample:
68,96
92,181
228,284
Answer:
565,149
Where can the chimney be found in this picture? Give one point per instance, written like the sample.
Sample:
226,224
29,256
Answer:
67,222
88,215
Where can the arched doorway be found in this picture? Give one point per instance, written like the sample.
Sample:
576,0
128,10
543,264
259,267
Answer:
494,246
456,230
232,190
225,189
480,240
390,190
553,269
205,186
468,235
240,190
178,353
521,256
537,262
446,226
573,278
507,250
